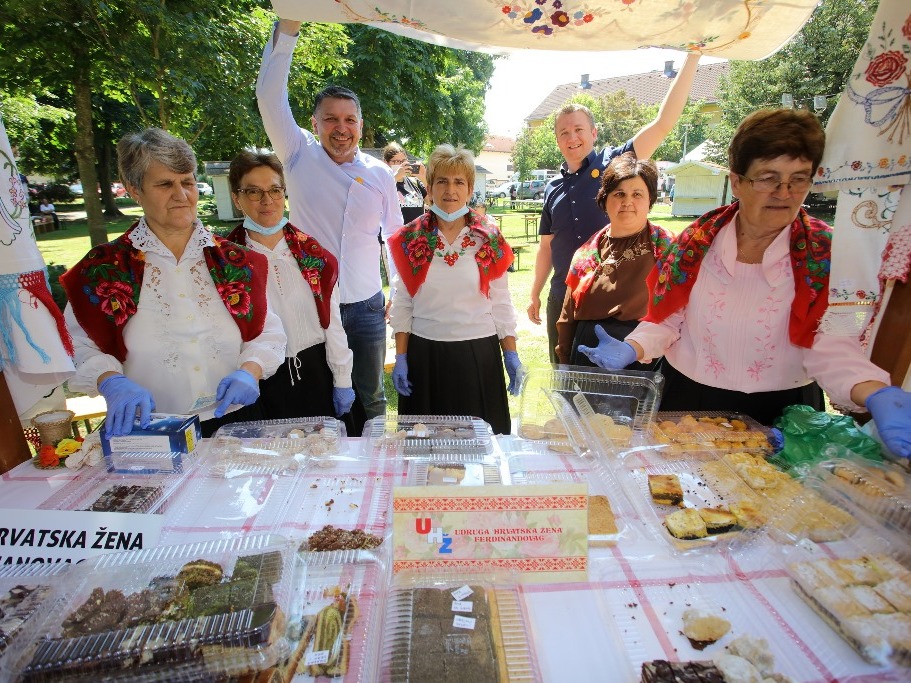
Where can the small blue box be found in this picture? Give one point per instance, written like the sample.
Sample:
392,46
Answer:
142,462
166,434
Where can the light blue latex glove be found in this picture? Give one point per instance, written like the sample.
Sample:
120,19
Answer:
515,370
124,397
891,410
610,353
240,388
342,399
400,375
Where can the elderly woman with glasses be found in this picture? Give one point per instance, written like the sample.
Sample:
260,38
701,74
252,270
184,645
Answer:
735,302
316,376
168,316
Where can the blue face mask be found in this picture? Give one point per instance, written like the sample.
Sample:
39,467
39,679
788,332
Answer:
458,213
253,226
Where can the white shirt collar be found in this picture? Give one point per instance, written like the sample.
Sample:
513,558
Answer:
143,239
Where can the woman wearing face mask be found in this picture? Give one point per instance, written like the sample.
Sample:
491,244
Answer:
315,378
451,311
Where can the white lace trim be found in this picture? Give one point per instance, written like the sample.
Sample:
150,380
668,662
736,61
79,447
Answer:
845,320
143,239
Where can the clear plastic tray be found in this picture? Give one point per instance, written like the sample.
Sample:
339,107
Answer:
101,491
881,489
336,627
274,446
447,627
704,485
555,425
429,435
699,430
457,470
25,594
627,396
134,616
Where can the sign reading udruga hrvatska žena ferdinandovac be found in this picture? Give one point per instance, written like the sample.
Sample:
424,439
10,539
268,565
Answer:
540,531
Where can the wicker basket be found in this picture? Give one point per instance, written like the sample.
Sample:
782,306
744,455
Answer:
54,425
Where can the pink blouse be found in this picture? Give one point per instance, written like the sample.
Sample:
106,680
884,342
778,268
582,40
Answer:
733,333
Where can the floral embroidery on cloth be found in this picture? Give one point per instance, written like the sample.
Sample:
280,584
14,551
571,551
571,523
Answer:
413,247
448,252
672,279
587,264
103,288
317,266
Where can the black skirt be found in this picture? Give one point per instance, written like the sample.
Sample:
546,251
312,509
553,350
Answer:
618,329
301,387
683,393
457,378
250,413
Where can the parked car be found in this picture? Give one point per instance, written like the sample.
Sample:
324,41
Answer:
531,189
76,189
501,190
205,189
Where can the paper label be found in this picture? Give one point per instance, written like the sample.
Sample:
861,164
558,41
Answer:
462,593
459,621
462,606
320,657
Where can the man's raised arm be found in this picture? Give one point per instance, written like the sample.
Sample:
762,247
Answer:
652,135
272,90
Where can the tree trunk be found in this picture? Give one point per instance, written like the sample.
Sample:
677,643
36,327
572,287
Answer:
104,177
85,151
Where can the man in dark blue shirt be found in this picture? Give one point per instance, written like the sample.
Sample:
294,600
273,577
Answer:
571,215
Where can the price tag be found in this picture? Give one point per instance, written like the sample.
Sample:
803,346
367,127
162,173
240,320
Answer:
450,480
462,593
463,622
462,606
319,657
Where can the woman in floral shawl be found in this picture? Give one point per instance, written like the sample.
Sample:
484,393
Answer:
736,300
168,316
606,280
451,310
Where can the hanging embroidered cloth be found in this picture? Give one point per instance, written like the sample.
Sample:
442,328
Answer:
736,29
35,348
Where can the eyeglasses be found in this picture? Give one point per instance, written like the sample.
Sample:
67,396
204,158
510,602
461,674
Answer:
398,161
771,183
255,194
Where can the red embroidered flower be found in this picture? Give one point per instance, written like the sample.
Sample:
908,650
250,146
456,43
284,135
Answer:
236,256
236,296
861,294
587,265
588,17
906,29
856,165
451,258
559,18
116,300
467,242
885,68
485,256
419,251
507,9
311,275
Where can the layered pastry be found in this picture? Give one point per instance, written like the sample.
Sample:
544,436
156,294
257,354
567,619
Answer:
702,628
329,632
124,498
686,524
665,489
601,520
717,520
17,605
745,660
718,432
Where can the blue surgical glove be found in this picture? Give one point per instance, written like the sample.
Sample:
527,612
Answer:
400,375
610,353
240,388
515,370
124,397
891,410
776,440
342,399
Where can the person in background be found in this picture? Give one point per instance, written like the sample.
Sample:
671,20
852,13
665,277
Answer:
344,198
605,287
45,208
571,213
736,300
451,311
168,316
512,195
410,181
315,378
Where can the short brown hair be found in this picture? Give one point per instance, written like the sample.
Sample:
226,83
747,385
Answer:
392,149
771,133
447,158
572,108
248,159
624,167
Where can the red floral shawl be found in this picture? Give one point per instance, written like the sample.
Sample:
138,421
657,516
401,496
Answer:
587,258
103,288
672,279
317,266
412,247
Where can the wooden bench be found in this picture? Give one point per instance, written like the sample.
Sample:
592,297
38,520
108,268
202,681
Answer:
86,408
518,250
42,224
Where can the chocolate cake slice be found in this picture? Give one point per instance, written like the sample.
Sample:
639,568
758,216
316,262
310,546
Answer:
662,671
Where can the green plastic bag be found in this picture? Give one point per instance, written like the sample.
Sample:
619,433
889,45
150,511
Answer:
811,436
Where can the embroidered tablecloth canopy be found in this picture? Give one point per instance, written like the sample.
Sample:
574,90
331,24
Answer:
735,29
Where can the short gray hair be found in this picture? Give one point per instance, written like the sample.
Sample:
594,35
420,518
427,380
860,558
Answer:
447,158
136,151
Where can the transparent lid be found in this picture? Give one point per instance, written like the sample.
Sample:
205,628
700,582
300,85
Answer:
468,627
715,430
457,470
25,590
200,610
275,446
427,435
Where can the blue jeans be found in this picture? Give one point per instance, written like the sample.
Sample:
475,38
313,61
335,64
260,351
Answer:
365,325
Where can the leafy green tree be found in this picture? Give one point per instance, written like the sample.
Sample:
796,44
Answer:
817,61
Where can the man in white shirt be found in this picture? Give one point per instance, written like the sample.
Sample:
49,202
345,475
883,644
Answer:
340,196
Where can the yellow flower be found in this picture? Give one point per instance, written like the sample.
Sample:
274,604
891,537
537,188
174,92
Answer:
67,447
595,173
744,35
883,163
